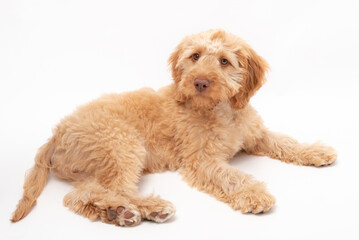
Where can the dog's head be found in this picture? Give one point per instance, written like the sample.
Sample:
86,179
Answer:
216,66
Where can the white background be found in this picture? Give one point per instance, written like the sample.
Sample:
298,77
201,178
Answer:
56,55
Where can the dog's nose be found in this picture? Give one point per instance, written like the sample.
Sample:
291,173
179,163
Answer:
201,84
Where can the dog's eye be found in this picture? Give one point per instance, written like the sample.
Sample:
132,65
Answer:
195,56
224,61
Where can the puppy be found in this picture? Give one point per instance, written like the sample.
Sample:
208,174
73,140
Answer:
194,126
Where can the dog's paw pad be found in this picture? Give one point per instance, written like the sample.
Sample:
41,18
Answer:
120,209
129,223
123,217
162,215
128,215
111,214
129,218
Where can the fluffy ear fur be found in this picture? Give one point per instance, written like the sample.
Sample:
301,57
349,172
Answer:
172,61
256,68
177,71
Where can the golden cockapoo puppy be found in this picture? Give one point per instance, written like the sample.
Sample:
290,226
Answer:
195,125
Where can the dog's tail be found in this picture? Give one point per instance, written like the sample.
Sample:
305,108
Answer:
35,180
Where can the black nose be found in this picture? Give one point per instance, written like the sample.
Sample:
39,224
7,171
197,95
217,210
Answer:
201,84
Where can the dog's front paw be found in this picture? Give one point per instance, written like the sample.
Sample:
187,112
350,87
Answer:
252,198
318,155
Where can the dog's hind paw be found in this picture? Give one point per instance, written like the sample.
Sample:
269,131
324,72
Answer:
121,216
162,215
156,209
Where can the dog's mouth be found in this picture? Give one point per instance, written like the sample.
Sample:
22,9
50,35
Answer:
202,100
201,94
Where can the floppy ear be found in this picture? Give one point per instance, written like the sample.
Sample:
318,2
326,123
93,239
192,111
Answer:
176,71
173,63
254,77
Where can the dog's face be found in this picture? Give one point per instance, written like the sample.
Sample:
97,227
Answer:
216,66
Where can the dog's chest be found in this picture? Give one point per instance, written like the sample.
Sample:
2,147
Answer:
225,138
217,135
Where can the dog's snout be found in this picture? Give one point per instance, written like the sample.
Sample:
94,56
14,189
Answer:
201,84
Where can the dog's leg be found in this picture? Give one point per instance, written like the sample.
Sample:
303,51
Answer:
93,201
113,168
228,184
108,168
124,180
286,149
